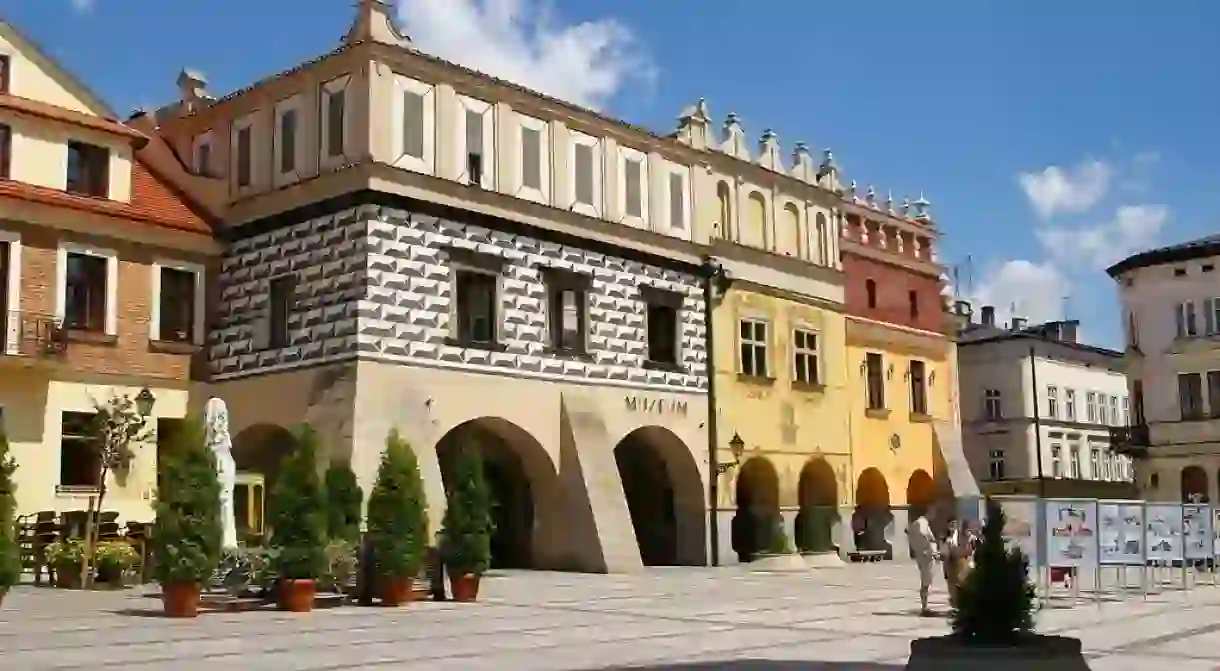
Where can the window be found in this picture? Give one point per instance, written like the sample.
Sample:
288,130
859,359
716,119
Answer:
177,305
1114,411
662,320
919,388
993,407
1090,407
870,290
281,296
477,306
1179,272
633,184
88,170
823,241
1103,414
582,160
6,152
85,292
566,300
1074,456
1126,413
531,158
336,123
876,380
1094,464
913,301
1056,461
753,347
1186,323
414,130
1137,400
6,73
203,157
288,140
1133,334
1069,404
1052,401
1213,393
677,200
80,464
724,200
475,161
244,157
995,464
805,357
1190,395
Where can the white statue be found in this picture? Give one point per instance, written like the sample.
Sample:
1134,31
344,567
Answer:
216,418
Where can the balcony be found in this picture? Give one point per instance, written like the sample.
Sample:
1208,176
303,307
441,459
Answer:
29,335
1132,441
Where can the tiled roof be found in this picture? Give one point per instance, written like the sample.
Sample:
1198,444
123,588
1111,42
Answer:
1183,251
43,110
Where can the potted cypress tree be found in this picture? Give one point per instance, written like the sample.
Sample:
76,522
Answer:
467,526
298,525
10,555
186,535
993,623
397,522
344,500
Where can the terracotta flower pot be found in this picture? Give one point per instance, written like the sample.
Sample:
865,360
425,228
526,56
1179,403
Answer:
68,578
397,591
297,596
180,599
465,587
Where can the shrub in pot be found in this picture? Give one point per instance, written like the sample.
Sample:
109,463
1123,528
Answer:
187,534
993,623
10,554
114,560
341,564
467,526
67,558
298,524
344,500
397,522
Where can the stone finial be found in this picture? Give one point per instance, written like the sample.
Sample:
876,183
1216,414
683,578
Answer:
803,167
871,196
889,202
921,206
851,191
375,22
693,125
697,112
828,172
734,143
768,151
192,90
906,205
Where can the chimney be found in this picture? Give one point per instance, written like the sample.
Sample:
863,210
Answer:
1068,331
988,315
1018,323
963,309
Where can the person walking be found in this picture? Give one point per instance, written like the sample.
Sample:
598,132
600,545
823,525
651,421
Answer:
923,545
955,551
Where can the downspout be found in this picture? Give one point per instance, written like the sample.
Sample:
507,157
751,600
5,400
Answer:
714,278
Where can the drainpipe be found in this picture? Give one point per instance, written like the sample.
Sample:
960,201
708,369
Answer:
714,279
1033,375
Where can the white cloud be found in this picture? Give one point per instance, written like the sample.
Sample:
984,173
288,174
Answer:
524,42
1055,190
1022,288
82,6
1133,228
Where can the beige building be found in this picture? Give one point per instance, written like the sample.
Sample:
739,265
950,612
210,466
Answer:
102,269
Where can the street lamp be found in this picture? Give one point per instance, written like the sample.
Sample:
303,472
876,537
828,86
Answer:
737,447
144,402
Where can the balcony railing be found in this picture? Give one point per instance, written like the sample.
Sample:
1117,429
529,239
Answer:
1132,441
31,334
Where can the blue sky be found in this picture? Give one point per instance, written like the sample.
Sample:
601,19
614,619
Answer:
1051,137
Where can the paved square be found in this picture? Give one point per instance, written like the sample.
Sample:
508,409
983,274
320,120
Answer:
856,618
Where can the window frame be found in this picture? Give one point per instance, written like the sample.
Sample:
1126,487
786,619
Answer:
803,354
277,337
97,183
12,298
328,158
920,408
6,151
626,154
681,173
487,149
1069,404
245,123
1052,401
749,348
110,319
466,261
559,281
296,106
996,465
202,164
198,309
655,298
597,151
875,399
425,164
993,405
543,193
1186,415
83,438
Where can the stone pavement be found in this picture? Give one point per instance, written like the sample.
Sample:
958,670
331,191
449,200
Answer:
861,617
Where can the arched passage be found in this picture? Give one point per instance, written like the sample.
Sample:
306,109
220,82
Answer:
921,493
818,495
664,493
1194,485
258,452
872,514
757,494
521,477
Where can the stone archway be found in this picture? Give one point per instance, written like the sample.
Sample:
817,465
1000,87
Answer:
523,485
1194,485
664,493
258,452
872,514
818,496
757,515
921,493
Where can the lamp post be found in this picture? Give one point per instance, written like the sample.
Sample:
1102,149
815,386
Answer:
737,448
715,283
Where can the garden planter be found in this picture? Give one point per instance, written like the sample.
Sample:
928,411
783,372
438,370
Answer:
297,596
950,653
68,577
465,587
180,599
396,591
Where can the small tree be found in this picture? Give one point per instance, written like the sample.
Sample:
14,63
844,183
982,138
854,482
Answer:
995,602
117,425
298,516
186,536
467,526
344,500
398,513
10,555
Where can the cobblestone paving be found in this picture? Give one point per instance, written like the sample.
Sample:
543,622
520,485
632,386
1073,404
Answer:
857,618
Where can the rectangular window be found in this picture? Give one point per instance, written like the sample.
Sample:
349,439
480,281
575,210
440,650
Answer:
1133,334
80,466
677,201
876,380
919,388
1090,407
1052,401
336,103
1056,461
281,298
1069,404
1074,456
413,130
474,147
1094,464
913,304
88,169
993,407
1126,413
753,348
582,156
85,292
1103,413
177,305
6,152
1137,400
244,157
1213,393
1190,395
662,333
1114,411
995,465
288,141
477,313
633,176
566,301
6,74
805,357
1209,315
1187,326
531,158
203,158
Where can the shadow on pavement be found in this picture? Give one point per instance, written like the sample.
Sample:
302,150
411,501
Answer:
765,665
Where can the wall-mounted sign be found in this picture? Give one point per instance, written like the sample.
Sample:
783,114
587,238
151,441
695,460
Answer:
895,442
655,406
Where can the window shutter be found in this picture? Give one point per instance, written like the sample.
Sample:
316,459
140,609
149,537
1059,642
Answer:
634,171
583,155
677,201
531,158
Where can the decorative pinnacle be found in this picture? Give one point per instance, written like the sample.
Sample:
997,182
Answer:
871,194
852,189
889,202
731,119
769,136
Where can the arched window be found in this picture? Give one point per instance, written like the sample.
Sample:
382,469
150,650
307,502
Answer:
823,242
870,288
755,234
726,209
788,240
